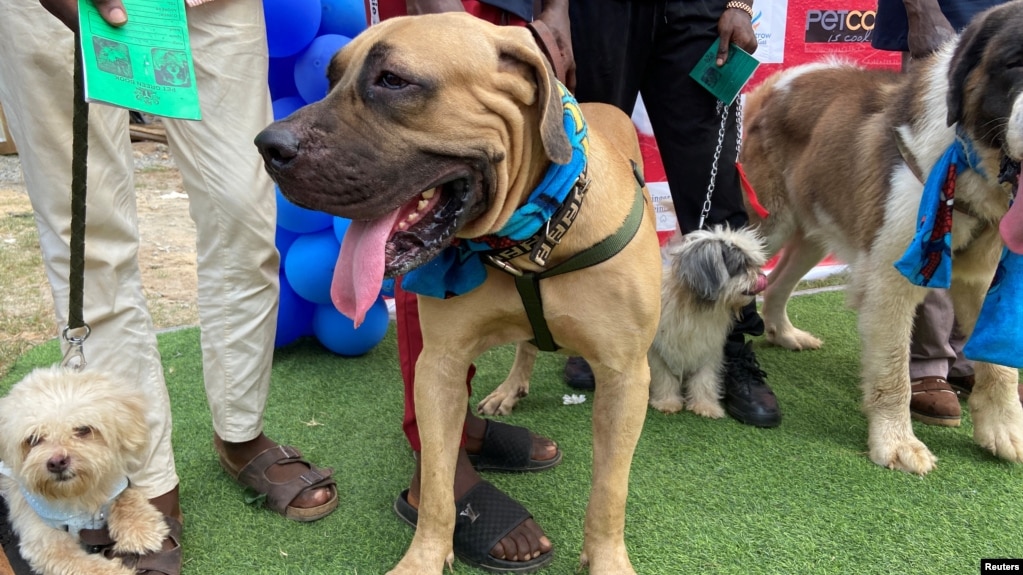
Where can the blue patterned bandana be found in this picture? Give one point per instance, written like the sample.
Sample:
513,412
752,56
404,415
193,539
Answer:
459,269
928,259
998,334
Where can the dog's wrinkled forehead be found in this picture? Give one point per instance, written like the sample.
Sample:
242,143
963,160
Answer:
415,50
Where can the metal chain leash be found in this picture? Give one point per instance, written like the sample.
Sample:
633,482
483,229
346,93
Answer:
722,109
738,127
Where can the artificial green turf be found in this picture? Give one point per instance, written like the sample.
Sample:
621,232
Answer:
706,496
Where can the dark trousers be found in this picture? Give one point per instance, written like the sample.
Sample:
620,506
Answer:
624,48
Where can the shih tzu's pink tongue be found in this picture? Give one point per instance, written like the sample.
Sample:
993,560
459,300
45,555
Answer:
1011,226
759,286
360,266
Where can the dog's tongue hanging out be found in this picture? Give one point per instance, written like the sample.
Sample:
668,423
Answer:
360,266
1011,225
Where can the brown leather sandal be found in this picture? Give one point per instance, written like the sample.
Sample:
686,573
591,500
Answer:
280,495
158,562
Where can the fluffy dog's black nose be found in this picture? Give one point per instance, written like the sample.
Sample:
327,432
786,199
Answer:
278,146
57,464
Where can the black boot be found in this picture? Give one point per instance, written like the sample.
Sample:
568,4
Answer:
578,374
747,396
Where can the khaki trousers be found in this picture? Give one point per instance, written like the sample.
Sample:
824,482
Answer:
231,200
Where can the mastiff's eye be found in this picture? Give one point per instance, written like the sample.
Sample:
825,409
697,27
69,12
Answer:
391,81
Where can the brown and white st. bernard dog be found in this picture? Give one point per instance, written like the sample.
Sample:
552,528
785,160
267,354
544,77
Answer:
837,153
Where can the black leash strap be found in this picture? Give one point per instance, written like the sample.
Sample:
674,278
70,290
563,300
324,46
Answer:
75,357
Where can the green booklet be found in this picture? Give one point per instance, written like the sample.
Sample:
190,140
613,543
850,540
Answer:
145,65
725,82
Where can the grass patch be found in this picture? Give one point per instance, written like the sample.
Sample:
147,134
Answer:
706,496
839,279
26,309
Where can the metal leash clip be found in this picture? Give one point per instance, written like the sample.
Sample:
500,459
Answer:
503,265
74,357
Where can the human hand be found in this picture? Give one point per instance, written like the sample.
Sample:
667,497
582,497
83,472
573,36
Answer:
735,27
928,27
555,16
67,11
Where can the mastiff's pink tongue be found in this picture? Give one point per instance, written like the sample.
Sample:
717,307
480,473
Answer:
360,266
1011,225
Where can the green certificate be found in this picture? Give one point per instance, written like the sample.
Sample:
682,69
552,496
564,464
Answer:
145,65
725,82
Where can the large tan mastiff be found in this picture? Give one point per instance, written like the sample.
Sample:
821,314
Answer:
438,127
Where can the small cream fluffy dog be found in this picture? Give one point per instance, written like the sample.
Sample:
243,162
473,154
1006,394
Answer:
68,441
710,276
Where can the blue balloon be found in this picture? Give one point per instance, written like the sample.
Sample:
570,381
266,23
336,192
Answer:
345,17
282,78
338,334
294,316
340,227
283,240
387,287
300,220
311,66
290,25
285,106
309,266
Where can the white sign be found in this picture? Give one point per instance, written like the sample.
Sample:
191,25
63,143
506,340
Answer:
769,18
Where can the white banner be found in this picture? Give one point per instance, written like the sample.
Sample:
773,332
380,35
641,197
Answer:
769,18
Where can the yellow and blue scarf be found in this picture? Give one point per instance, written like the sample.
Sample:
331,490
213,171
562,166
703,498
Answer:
459,268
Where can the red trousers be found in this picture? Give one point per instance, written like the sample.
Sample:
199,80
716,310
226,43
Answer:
410,344
410,336
380,10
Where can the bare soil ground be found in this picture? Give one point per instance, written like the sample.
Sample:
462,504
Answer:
166,254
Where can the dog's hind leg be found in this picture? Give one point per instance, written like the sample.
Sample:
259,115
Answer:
619,408
885,325
502,400
797,258
665,387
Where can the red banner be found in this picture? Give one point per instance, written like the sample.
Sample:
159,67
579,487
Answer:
815,29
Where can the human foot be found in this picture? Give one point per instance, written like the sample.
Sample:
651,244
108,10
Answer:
294,487
495,446
517,543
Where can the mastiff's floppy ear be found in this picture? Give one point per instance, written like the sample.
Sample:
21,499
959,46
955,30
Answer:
517,44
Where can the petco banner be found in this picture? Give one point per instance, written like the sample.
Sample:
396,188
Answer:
839,26
793,32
